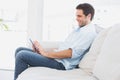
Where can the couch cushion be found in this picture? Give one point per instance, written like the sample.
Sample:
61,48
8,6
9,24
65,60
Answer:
42,73
109,59
115,73
88,61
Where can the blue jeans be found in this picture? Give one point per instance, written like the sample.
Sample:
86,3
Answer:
25,58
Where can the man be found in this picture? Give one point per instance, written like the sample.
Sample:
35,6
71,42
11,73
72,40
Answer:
69,52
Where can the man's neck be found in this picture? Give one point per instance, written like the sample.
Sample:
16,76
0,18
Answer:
85,24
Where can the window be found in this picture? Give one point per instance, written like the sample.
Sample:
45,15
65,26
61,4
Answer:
58,20
13,14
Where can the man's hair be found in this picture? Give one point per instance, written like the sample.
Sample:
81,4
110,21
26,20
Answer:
87,9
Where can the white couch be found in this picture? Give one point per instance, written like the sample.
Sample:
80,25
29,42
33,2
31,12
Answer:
102,62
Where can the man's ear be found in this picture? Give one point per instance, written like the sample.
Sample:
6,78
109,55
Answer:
89,16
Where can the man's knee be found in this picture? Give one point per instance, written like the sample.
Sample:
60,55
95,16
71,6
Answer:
18,50
20,54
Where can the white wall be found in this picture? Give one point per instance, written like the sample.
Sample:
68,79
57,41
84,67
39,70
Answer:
35,19
35,16
35,22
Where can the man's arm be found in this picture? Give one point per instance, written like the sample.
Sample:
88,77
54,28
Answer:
60,54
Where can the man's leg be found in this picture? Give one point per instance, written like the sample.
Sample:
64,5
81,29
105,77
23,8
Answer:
25,58
22,48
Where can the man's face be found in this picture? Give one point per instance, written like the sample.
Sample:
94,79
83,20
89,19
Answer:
81,18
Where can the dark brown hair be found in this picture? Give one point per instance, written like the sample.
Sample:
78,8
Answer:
87,9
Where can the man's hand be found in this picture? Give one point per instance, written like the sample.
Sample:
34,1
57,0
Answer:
38,48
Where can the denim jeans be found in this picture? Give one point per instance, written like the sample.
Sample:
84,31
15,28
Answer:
25,57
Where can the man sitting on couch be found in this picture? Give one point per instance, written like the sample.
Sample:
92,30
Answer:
69,52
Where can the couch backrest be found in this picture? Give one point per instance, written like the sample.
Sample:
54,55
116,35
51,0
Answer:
89,59
107,66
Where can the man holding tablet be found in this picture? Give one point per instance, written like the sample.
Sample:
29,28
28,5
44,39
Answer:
69,53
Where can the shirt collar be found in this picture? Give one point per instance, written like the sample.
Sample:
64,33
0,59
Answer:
84,27
87,26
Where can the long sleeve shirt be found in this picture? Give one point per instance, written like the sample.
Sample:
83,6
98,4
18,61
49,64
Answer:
79,41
